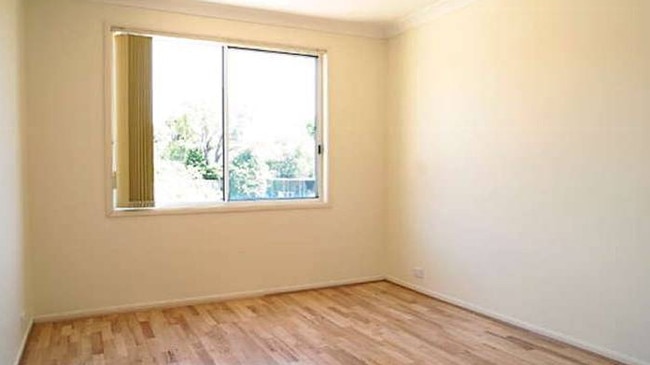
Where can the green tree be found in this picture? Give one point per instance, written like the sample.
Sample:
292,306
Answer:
195,139
288,167
181,138
292,165
198,128
311,129
247,177
196,160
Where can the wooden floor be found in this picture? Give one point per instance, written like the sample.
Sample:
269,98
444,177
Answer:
376,323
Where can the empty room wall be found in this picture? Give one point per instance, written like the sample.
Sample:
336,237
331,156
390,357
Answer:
518,163
84,260
12,262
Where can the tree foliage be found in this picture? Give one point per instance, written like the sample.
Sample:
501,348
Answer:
196,159
247,177
292,165
197,129
194,140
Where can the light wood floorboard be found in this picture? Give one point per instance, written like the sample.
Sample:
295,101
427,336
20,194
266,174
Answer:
375,323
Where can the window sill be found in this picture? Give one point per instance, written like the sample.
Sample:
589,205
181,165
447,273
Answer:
231,207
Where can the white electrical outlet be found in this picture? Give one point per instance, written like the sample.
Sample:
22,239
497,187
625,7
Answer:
418,272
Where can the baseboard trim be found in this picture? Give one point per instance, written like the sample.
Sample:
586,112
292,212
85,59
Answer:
23,343
63,316
610,354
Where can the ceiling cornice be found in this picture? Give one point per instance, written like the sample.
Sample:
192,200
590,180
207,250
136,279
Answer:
269,17
424,15
258,16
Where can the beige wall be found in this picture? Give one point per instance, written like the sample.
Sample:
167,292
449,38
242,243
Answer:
519,164
12,263
84,260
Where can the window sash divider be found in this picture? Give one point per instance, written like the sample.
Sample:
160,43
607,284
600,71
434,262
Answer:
224,123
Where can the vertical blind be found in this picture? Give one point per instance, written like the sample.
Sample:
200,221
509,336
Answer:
134,114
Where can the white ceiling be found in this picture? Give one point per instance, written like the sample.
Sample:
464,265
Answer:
375,11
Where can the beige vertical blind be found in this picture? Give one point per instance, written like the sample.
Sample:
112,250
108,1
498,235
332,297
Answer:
134,121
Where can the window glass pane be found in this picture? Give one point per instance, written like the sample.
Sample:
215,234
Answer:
187,117
271,125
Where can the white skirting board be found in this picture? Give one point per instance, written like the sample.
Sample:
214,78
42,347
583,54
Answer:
198,300
23,343
517,323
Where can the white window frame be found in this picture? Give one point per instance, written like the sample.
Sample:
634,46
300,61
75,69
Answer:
322,132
